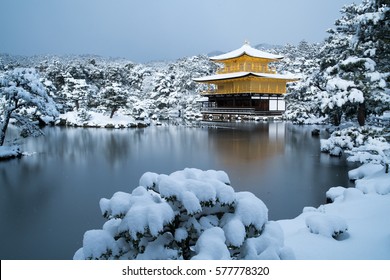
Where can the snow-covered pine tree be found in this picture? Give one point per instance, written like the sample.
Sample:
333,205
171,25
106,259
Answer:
75,90
189,214
352,78
301,101
24,98
355,63
113,97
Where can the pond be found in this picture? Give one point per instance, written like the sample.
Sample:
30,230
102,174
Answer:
50,198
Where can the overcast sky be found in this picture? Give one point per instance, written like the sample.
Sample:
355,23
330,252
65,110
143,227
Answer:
146,30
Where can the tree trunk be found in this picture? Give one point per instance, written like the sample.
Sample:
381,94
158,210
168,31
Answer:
336,118
113,112
186,249
361,114
4,126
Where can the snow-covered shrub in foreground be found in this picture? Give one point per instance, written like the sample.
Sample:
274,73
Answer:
189,214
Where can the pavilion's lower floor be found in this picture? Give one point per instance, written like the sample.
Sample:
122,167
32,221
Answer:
244,104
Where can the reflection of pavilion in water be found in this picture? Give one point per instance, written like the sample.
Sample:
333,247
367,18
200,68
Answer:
242,146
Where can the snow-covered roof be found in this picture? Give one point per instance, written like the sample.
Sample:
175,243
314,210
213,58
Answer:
236,75
248,50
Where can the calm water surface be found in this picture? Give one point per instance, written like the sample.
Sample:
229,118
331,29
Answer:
49,199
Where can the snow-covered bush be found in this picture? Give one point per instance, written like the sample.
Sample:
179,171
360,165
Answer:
189,214
364,144
339,194
364,170
326,225
83,115
375,181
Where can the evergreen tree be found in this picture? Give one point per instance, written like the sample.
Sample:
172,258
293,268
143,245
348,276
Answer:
21,90
113,97
355,63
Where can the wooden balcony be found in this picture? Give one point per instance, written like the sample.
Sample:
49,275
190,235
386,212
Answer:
247,68
239,111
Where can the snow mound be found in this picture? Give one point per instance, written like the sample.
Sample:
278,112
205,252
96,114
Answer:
338,194
251,210
211,245
119,120
268,246
146,215
97,243
117,206
234,231
334,193
378,182
192,187
351,194
7,152
364,170
336,152
326,225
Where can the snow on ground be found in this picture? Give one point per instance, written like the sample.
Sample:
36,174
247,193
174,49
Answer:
9,152
94,119
363,211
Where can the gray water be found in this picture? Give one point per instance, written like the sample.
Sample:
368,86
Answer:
49,199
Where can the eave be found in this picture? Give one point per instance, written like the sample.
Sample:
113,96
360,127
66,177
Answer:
237,75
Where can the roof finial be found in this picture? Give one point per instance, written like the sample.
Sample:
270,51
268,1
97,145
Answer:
246,42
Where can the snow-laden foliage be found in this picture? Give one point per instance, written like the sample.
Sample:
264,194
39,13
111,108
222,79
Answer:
114,97
7,152
352,79
189,214
346,77
105,85
24,98
156,90
363,144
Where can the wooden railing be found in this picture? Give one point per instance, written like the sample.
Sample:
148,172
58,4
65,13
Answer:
246,90
239,111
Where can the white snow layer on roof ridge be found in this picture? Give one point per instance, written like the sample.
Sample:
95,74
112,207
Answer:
246,49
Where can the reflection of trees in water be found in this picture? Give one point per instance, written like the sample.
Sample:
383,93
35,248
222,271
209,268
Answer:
20,192
154,144
249,145
117,147
299,138
83,145
318,168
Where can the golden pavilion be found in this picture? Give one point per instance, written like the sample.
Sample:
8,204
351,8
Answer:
245,84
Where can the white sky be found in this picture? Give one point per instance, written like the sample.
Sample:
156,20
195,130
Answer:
145,30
